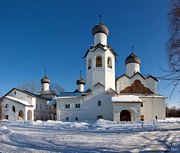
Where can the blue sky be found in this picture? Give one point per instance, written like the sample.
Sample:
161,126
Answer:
39,34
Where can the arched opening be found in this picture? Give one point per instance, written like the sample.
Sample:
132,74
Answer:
89,64
125,115
21,115
109,62
29,115
13,109
98,61
6,106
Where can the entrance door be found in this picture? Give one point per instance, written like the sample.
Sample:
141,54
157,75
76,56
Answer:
125,115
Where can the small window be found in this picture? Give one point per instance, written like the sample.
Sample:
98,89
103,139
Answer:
141,104
109,62
99,117
89,64
6,117
6,106
67,118
13,109
67,105
76,118
98,61
142,117
77,106
99,103
14,92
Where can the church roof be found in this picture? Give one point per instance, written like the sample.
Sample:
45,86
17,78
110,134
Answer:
137,73
126,98
45,80
19,101
103,47
132,58
100,28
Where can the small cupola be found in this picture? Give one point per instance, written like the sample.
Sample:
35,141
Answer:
132,58
100,28
100,33
132,64
80,83
45,80
45,83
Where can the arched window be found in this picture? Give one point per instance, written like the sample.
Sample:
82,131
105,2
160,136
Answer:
109,62
89,64
6,106
13,109
98,61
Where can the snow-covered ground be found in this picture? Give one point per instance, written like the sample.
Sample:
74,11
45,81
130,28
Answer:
90,137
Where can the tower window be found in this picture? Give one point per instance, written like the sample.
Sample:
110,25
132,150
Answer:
77,106
6,106
67,105
109,62
89,64
99,103
13,109
98,61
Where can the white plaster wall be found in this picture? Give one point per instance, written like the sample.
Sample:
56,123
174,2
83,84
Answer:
100,38
22,96
18,106
81,87
89,108
45,86
104,75
132,68
133,108
152,107
152,84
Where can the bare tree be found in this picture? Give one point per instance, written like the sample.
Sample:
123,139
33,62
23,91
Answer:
31,87
173,45
36,88
56,88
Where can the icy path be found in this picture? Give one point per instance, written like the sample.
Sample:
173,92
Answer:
91,138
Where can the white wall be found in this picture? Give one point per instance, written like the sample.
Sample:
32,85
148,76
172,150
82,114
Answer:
152,107
132,68
89,108
100,38
104,75
133,108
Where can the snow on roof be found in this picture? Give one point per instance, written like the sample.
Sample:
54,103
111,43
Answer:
18,100
126,98
51,102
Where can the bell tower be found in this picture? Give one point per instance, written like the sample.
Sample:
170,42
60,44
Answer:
100,60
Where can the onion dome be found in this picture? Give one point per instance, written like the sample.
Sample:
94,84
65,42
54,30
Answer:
45,80
80,81
100,28
132,58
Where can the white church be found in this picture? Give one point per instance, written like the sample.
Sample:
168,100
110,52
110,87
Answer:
129,97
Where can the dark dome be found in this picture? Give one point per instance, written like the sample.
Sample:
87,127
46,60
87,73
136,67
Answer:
80,81
100,28
45,80
132,58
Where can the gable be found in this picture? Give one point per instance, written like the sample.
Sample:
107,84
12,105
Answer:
137,87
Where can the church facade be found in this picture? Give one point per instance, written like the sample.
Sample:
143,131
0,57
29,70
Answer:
130,97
